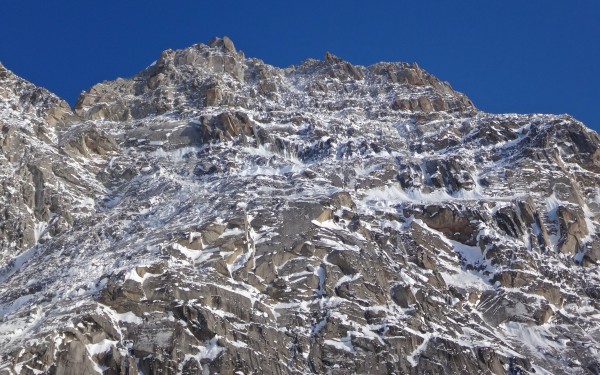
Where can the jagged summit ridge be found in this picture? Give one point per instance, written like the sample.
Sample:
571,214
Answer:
217,214
217,75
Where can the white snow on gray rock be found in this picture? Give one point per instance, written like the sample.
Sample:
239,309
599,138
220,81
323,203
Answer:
214,214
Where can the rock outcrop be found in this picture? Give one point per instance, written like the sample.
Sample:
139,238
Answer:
214,214
44,190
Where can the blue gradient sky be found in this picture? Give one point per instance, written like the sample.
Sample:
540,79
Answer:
507,56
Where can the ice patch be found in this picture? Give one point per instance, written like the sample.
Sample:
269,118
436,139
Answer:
210,350
413,358
537,339
39,230
393,195
591,226
465,279
270,171
15,305
470,254
232,232
16,263
552,204
347,279
128,317
101,347
191,254
342,344
176,154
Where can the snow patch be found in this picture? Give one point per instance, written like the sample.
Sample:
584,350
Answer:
344,344
100,347
128,317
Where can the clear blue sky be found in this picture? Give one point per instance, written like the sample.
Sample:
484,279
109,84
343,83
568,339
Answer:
508,56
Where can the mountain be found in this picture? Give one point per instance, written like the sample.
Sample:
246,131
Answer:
215,214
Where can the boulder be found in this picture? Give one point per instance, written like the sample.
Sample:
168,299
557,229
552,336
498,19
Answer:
402,296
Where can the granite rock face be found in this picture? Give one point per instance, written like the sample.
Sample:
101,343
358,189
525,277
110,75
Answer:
44,190
214,214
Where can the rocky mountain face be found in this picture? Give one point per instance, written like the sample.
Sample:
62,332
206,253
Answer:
215,214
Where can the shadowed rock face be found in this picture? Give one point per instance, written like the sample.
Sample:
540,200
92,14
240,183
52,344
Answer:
214,214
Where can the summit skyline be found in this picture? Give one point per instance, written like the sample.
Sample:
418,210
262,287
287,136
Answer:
510,57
